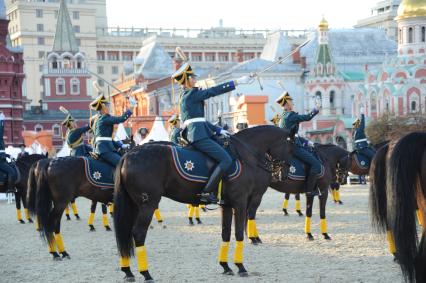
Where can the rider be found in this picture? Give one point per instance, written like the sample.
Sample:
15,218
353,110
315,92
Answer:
23,153
74,137
199,132
292,119
174,122
103,127
361,142
4,165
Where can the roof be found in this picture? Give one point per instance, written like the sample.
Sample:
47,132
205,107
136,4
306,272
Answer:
64,36
257,64
276,47
153,62
353,76
55,115
319,131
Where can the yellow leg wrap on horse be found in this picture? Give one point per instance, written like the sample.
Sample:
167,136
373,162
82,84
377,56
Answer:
307,225
27,214
51,246
142,258
67,210
111,208
391,241
323,225
74,208
59,242
219,190
158,215
251,227
338,195
124,261
197,212
285,203
18,214
105,220
223,252
420,218
333,194
191,211
202,206
91,218
298,205
238,253
37,226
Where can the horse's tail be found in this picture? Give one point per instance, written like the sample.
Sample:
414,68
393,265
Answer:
378,199
32,189
124,215
44,203
403,173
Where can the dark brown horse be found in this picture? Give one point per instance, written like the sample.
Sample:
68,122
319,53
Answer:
139,187
331,155
397,192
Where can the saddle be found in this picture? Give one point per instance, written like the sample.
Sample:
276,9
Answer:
361,160
98,173
299,170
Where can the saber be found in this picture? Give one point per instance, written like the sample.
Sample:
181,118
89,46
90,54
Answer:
64,110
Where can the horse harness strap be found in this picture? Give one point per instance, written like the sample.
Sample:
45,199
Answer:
361,140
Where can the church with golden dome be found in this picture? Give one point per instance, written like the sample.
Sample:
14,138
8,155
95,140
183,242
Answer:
399,87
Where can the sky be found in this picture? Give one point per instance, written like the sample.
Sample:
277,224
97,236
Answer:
248,14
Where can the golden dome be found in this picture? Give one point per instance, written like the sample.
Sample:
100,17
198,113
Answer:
323,24
411,8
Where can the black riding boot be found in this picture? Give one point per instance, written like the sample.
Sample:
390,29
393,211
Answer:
208,195
311,185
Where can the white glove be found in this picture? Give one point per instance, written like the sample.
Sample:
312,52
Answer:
311,144
1,116
244,80
133,102
225,133
125,146
361,110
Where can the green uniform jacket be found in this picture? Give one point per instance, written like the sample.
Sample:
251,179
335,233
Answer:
174,134
292,119
104,127
75,141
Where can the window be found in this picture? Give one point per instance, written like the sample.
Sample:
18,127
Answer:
39,13
114,70
54,63
100,69
60,86
210,57
56,14
223,57
40,40
56,129
197,57
113,56
41,54
76,15
423,34
127,56
76,29
40,27
100,55
40,68
67,63
79,63
75,86
332,99
78,41
413,106
410,35
101,83
318,97
38,128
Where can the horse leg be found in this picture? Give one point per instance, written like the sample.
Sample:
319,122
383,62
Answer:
67,212
111,209
226,237
26,212
197,214
74,209
139,232
18,207
56,220
298,208
190,214
420,217
240,220
285,203
158,216
391,244
309,204
252,232
92,216
337,193
105,217
323,221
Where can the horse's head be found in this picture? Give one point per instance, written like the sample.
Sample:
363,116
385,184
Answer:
281,152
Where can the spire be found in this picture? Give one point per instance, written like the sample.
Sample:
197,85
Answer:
2,10
64,36
324,63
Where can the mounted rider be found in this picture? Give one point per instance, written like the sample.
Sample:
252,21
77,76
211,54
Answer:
74,137
174,122
291,119
5,167
360,139
103,127
200,132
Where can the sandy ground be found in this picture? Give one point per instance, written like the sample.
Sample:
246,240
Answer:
181,253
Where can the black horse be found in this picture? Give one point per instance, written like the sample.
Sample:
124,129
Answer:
331,155
23,165
140,185
397,192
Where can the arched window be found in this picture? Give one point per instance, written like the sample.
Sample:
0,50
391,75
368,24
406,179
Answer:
410,35
400,36
423,34
332,99
373,104
38,128
387,105
318,98
75,86
67,63
413,106
54,63
60,86
79,63
56,129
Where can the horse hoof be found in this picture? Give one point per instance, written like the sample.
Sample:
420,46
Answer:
254,241
58,258
299,212
22,221
129,278
229,272
107,228
92,228
243,274
65,255
77,217
30,220
340,202
259,241
285,212
326,236
68,218
310,237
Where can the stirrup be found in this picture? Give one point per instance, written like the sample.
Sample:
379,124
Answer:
208,198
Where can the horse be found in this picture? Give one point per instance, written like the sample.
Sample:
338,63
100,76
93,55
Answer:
331,155
91,219
396,197
285,204
139,187
23,165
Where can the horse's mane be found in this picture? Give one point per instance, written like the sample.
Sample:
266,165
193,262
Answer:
31,158
255,130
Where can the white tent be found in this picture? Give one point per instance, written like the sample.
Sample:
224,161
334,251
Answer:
65,151
121,133
37,148
14,151
158,132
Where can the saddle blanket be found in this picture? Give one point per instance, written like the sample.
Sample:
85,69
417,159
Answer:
196,167
298,170
362,161
98,173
